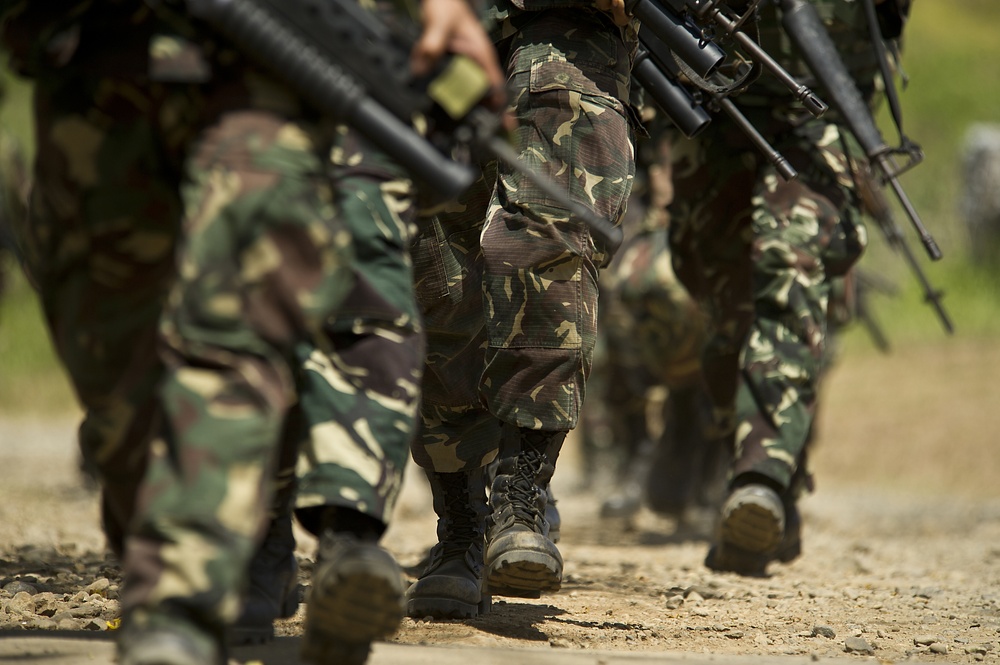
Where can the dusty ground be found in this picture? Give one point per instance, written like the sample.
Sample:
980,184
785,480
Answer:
902,539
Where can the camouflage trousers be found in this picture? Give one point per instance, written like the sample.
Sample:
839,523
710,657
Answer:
507,281
199,280
761,253
359,396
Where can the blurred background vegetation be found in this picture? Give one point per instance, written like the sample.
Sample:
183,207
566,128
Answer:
952,58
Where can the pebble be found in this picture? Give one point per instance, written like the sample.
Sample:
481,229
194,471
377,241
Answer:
858,644
20,586
673,602
824,631
924,640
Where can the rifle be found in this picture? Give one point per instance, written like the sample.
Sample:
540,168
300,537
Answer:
352,66
711,15
807,32
676,42
659,74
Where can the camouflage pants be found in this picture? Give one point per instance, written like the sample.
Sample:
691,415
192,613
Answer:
761,253
507,281
194,263
359,399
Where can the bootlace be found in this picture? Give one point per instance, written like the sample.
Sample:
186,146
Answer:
522,492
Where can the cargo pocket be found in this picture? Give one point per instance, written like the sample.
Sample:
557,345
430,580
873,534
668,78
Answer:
587,78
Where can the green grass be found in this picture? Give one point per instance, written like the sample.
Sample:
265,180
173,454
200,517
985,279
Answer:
952,56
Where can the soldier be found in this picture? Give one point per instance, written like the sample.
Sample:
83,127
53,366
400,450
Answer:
508,285
763,254
194,261
652,337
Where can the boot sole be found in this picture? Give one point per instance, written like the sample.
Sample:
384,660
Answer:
755,524
346,613
524,574
446,608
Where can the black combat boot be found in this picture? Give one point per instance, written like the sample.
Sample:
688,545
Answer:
450,587
273,590
356,596
521,560
751,527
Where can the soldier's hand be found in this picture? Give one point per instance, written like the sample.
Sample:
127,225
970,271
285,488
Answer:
617,10
451,26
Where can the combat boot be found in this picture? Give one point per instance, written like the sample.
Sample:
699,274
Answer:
521,560
356,596
552,515
751,529
450,586
273,590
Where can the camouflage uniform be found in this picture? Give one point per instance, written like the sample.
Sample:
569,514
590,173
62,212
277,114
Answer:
762,252
508,283
195,262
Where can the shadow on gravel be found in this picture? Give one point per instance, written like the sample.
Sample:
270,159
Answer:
516,620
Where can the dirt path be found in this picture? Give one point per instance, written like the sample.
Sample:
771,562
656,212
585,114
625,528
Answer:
901,561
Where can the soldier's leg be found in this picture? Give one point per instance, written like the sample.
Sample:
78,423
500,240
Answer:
262,265
359,401
623,390
99,245
458,437
347,439
711,253
805,232
540,279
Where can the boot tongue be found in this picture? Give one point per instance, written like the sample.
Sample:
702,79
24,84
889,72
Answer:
464,528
